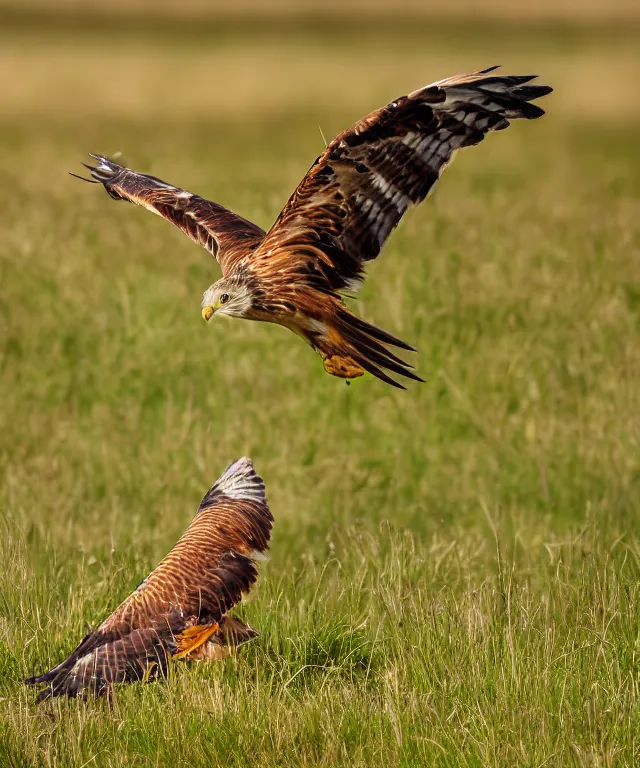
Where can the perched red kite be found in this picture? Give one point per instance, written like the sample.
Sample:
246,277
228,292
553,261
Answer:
339,216
181,609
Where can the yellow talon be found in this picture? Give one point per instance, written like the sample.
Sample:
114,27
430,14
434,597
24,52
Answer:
343,367
192,638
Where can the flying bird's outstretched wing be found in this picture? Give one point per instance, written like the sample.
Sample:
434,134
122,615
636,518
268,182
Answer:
339,217
227,236
358,189
183,603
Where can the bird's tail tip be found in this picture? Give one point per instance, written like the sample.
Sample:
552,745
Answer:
368,346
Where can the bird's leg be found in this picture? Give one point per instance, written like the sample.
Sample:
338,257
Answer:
342,367
327,345
192,638
232,634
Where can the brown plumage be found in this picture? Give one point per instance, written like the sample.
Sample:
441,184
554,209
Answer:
180,609
339,216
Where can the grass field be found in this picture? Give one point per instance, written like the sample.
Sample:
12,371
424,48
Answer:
455,569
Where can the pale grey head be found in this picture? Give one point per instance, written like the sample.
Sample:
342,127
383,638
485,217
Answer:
229,296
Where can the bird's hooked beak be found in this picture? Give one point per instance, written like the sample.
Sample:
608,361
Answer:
209,312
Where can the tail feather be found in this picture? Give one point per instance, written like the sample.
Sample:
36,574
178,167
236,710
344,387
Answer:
372,330
365,344
375,371
374,353
235,632
378,353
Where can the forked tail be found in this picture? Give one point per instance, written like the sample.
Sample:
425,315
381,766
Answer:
367,345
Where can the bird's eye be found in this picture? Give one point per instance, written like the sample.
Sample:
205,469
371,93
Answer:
224,298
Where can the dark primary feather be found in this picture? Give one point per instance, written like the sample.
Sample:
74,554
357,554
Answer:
355,193
358,189
227,236
368,352
201,579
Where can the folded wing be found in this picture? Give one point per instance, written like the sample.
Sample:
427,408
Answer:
358,189
227,236
185,598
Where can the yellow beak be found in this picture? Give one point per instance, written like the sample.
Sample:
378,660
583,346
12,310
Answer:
207,313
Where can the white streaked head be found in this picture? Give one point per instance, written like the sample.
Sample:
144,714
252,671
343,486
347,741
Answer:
228,296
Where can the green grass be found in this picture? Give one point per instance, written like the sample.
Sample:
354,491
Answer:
455,572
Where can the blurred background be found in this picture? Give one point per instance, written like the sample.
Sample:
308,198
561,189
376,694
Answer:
518,282
130,58
100,320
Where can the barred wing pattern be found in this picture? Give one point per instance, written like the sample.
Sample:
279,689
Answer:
227,236
183,603
358,189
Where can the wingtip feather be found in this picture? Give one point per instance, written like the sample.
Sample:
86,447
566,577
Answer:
82,178
240,481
